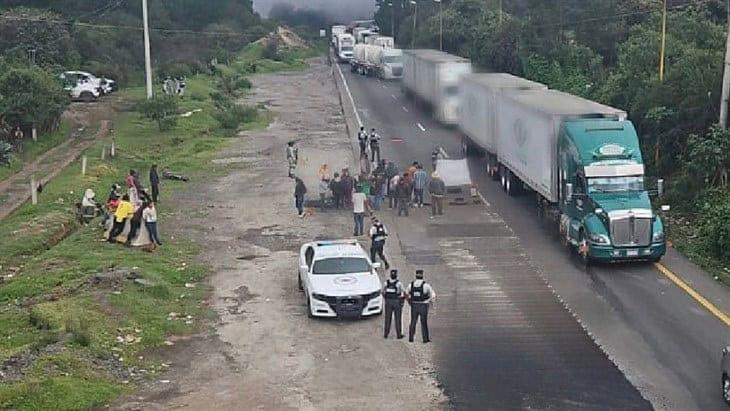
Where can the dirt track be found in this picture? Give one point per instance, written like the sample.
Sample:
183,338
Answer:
264,353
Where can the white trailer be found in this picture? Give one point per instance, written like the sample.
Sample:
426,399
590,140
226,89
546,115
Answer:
337,29
528,129
385,63
433,77
479,113
361,34
382,41
344,47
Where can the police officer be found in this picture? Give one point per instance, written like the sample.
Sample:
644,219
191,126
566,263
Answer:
394,295
374,146
420,296
362,139
378,234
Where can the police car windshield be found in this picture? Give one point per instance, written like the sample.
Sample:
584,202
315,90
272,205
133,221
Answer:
341,265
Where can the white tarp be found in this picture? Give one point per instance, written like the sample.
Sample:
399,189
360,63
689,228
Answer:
454,172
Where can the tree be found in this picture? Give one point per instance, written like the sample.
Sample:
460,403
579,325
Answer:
32,96
162,110
23,29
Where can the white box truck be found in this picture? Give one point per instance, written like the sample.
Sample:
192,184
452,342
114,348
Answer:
432,77
371,60
479,112
382,41
337,29
344,47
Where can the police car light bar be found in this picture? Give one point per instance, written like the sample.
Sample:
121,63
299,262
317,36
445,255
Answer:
336,242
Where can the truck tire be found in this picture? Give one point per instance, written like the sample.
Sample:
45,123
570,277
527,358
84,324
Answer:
503,177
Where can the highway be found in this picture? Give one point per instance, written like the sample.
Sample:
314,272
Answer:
517,315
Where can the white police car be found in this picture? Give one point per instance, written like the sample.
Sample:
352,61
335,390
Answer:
339,280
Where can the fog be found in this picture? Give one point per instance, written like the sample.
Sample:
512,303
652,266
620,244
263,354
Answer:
339,10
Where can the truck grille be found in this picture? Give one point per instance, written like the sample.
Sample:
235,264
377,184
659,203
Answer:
397,71
631,231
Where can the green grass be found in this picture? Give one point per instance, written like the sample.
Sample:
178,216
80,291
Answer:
686,238
50,298
34,149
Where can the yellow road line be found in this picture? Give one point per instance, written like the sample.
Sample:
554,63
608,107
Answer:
694,294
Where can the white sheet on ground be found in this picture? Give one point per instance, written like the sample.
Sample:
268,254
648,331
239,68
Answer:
454,172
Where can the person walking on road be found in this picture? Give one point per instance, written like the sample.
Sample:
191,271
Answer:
149,216
378,190
420,296
155,183
437,190
336,188
394,294
348,184
419,184
362,139
292,157
392,189
403,194
374,146
378,234
299,191
324,189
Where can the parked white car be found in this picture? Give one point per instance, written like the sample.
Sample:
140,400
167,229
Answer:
82,91
339,280
105,85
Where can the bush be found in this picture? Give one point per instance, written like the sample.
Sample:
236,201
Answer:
175,69
236,115
715,224
6,153
161,109
233,83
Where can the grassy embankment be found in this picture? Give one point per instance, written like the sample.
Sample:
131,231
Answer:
34,149
78,334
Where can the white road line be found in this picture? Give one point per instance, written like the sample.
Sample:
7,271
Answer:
384,86
421,126
352,100
405,109
394,97
443,152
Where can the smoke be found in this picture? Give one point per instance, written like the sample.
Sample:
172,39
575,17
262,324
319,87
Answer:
342,11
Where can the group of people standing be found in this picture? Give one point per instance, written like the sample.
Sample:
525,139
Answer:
136,206
365,194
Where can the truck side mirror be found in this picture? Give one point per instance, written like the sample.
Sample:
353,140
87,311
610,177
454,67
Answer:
569,192
660,187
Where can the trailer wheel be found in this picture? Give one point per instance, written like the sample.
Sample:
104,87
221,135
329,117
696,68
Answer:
503,178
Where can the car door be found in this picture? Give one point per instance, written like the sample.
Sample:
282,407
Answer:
306,256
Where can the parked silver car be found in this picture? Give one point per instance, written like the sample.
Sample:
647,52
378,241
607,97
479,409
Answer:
726,374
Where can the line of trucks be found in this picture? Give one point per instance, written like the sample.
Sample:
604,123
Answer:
580,159
367,52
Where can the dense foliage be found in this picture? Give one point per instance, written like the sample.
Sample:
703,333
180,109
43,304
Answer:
31,96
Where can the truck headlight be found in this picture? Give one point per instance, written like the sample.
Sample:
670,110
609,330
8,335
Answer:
600,238
658,237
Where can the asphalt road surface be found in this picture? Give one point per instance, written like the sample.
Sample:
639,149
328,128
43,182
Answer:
503,339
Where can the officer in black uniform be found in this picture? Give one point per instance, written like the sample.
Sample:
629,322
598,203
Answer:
420,296
374,146
394,295
362,139
378,234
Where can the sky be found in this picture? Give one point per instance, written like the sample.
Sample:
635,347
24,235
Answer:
341,10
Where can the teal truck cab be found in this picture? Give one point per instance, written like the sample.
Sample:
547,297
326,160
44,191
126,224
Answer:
604,208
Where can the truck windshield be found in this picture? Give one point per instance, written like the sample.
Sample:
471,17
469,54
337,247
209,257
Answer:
615,184
346,48
341,265
392,59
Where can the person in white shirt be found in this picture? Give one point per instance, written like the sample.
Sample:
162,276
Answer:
392,184
359,206
149,216
420,296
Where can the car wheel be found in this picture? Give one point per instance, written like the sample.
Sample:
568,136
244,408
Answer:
726,388
299,282
87,97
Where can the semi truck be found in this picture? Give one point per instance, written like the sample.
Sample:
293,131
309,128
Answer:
583,162
371,60
432,78
337,29
344,47
361,34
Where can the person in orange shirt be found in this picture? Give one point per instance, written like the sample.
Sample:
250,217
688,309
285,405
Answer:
124,210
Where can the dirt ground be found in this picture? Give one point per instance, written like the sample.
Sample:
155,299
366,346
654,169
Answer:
263,352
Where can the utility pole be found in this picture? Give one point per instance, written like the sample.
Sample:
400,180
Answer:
664,42
392,21
415,19
147,58
500,13
726,76
441,25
